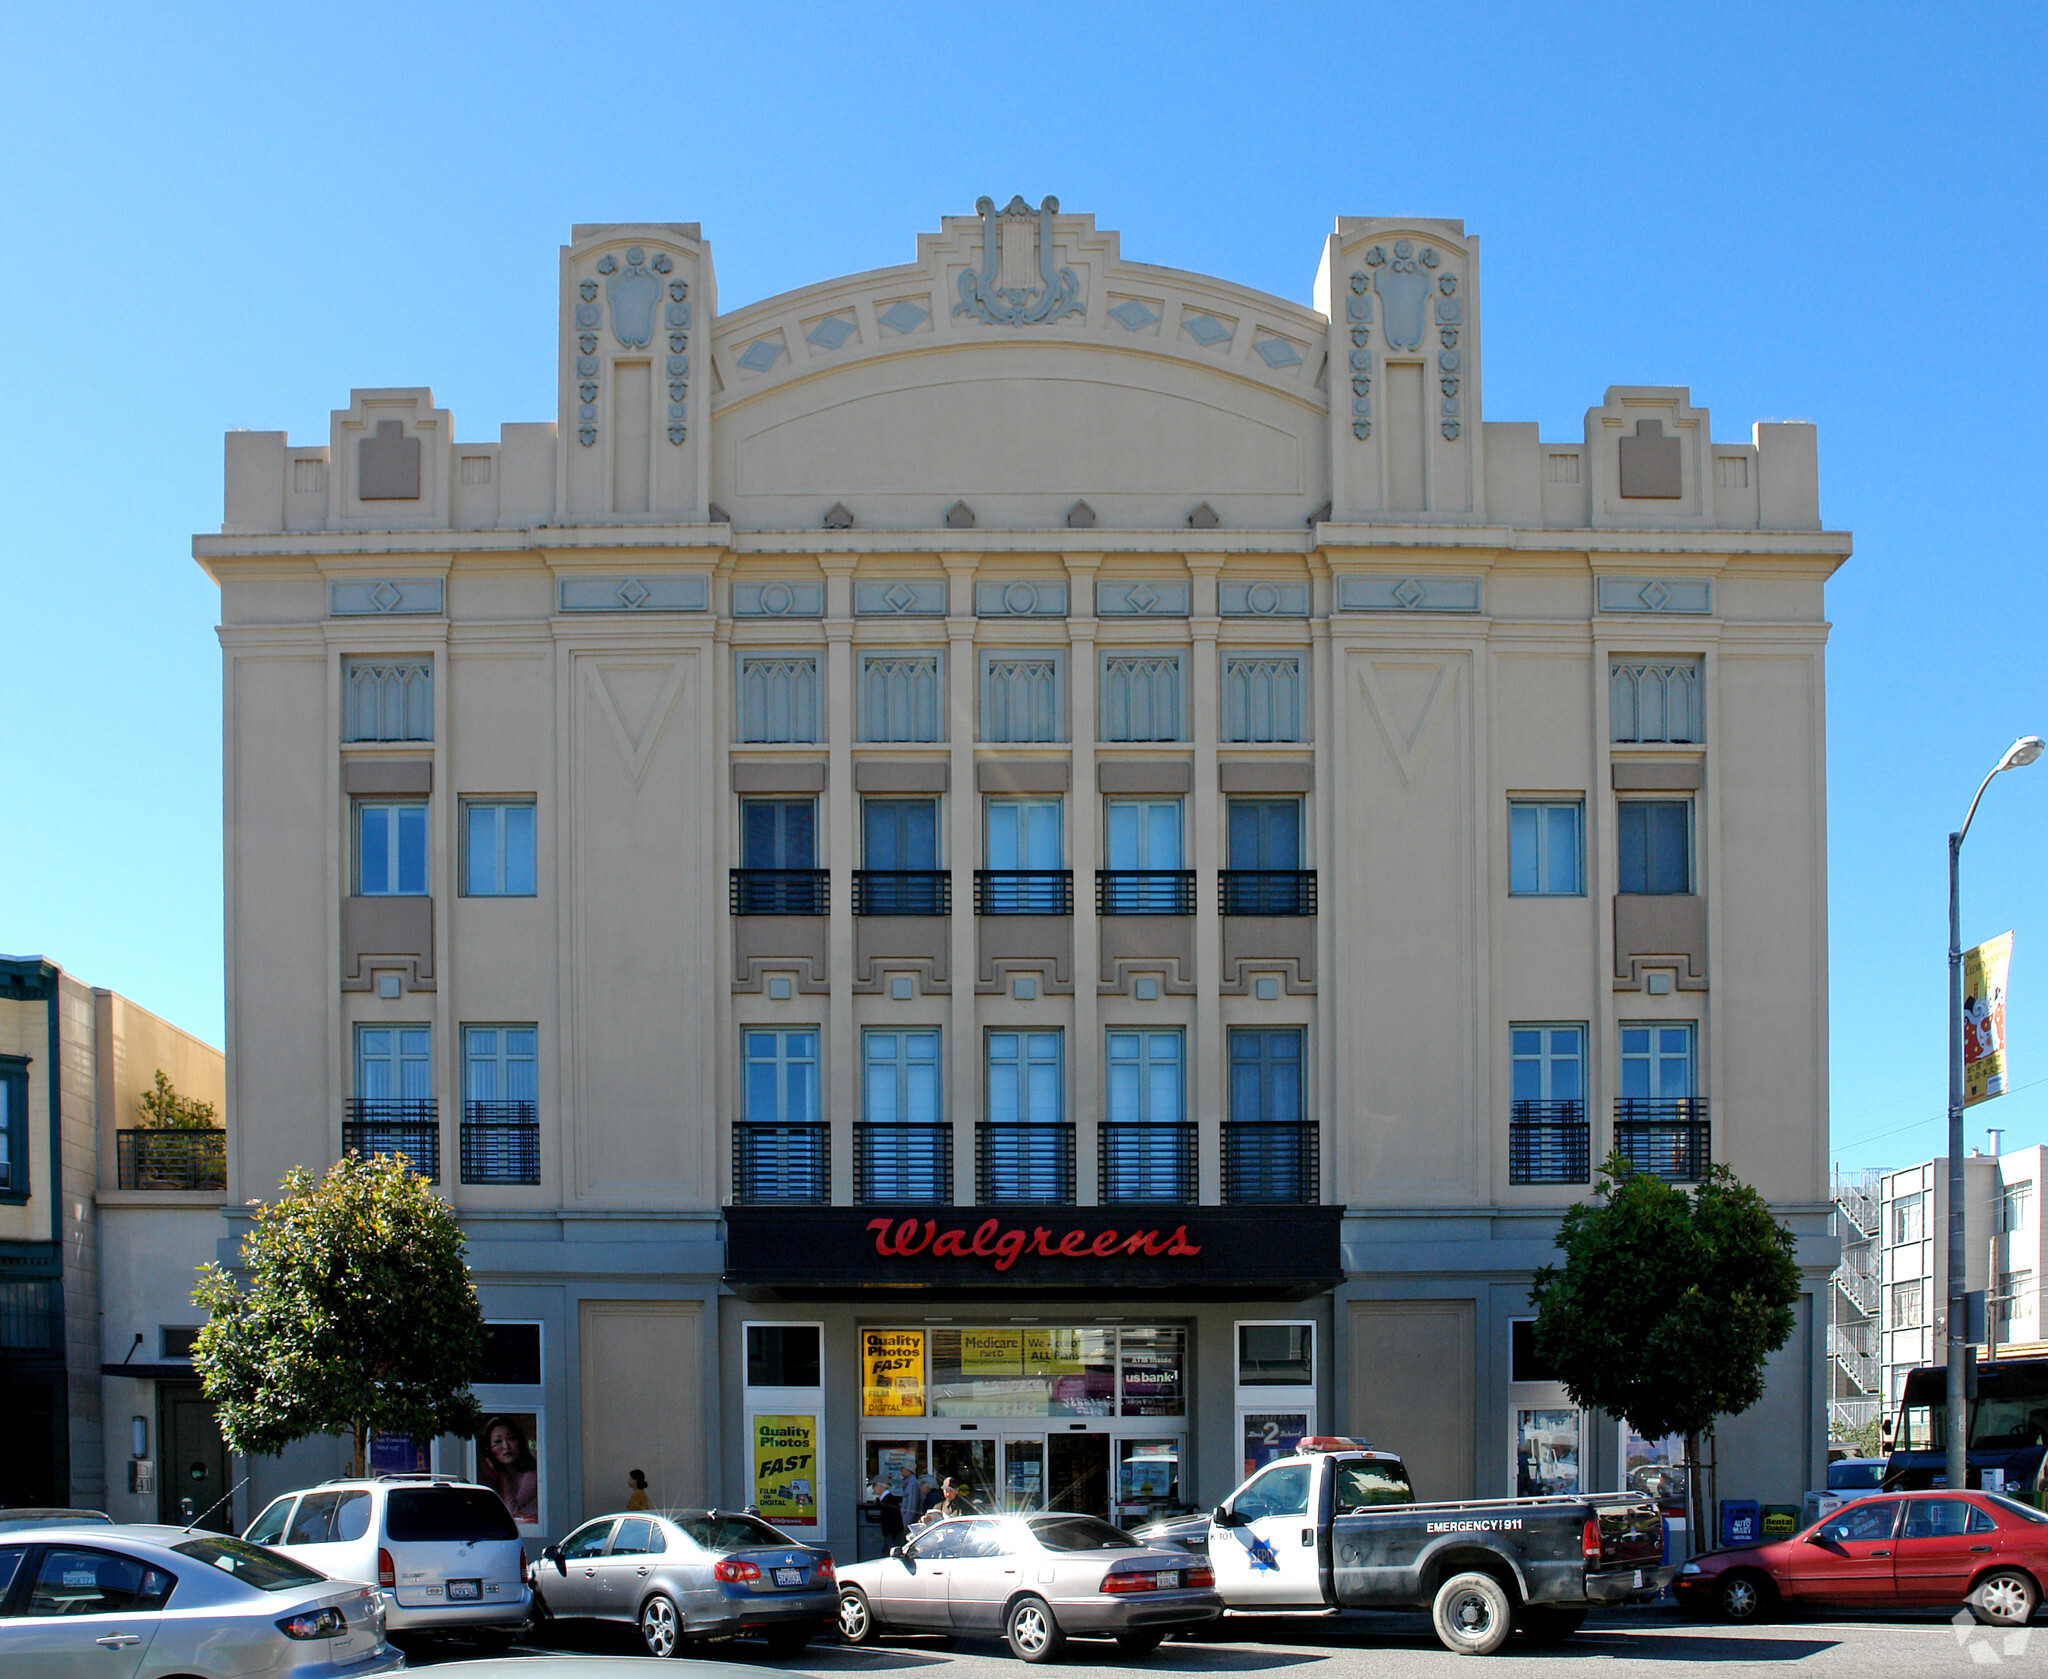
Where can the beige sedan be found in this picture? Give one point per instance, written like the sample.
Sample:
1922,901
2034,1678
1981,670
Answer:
1033,1579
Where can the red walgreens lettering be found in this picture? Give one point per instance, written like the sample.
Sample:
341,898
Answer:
912,1237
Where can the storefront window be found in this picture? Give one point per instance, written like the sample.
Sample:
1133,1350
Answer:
1147,1474
1017,1372
1547,1455
1279,1355
1153,1362
1271,1434
782,1355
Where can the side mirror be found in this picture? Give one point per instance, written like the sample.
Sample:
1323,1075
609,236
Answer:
553,1554
1224,1516
900,1552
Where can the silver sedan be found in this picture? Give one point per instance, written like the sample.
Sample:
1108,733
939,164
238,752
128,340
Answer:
109,1601
689,1576
1033,1579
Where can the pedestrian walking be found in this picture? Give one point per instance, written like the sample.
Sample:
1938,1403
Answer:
637,1498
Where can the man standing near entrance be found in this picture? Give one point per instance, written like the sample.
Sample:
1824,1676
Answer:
953,1501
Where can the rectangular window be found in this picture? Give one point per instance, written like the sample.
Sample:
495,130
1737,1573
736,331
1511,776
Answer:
497,849
1654,838
1265,1076
2015,1295
781,1076
901,833
1525,1363
1265,834
13,1128
1263,697
1909,1218
1144,1080
391,849
1023,697
1026,1085
511,1356
387,699
901,1077
1545,848
1142,697
499,1065
1657,703
1657,1063
778,697
2015,1206
784,1355
778,834
1143,834
900,698
394,1063
1024,834
1549,1063
1907,1305
1276,1355
1548,1452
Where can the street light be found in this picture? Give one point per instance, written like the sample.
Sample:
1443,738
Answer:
2021,753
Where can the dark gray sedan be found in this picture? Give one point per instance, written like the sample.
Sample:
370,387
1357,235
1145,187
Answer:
689,1576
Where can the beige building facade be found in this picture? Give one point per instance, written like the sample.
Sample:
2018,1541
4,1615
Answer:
1030,865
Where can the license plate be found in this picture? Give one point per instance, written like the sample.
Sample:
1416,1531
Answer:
789,1576
1167,1579
464,1590
1639,1579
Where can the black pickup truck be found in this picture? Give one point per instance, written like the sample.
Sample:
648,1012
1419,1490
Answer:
1334,1527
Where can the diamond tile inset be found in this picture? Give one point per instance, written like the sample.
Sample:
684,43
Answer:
898,598
1206,330
830,333
1409,593
1277,353
1655,595
903,316
384,597
761,355
1132,315
633,591
1143,598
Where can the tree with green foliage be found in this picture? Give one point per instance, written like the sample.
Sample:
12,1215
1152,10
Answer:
357,1313
1667,1304
163,1109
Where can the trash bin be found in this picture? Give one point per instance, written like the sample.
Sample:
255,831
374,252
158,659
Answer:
1741,1522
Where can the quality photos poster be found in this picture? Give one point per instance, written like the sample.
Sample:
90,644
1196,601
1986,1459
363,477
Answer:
508,1462
786,1470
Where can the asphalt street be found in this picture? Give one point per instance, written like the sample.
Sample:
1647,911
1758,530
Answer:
1402,1647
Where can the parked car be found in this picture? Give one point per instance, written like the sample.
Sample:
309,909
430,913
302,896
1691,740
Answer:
16,1517
1311,1531
1034,1579
1848,1477
443,1554
1367,1477
1892,1551
138,1602
688,1576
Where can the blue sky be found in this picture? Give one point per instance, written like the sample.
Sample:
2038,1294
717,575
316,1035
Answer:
228,216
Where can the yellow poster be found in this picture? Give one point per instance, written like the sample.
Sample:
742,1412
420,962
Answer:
991,1352
1052,1352
892,1372
1984,971
786,1470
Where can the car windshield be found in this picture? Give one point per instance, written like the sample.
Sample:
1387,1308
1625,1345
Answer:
1081,1533
421,1514
1855,1477
251,1564
721,1532
2026,1513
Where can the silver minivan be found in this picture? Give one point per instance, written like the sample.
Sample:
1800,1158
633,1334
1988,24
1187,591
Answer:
443,1554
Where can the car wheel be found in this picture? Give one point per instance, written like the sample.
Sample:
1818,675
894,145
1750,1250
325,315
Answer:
1033,1634
857,1624
661,1627
1740,1597
1545,1623
2004,1598
788,1641
1472,1614
1139,1643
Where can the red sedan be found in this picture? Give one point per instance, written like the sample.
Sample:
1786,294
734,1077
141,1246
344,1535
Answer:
1896,1551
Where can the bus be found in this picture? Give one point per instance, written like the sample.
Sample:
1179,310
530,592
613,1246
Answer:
2008,1430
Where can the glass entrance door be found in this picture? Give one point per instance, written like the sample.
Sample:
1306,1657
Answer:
972,1465
1077,1473
1024,1472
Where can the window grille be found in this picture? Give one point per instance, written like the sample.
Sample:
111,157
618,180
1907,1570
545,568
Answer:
1657,704
388,700
1021,699
778,698
1141,697
899,697
1262,697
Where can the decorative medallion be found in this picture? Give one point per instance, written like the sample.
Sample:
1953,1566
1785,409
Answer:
1000,291
1403,288
633,293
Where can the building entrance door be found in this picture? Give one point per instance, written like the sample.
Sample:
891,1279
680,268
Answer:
192,1461
1024,1472
1077,1473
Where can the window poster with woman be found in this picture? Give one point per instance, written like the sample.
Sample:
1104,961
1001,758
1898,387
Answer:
508,1462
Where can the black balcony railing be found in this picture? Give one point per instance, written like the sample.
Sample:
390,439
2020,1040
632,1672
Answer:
1549,1142
772,1161
1270,1160
1665,1137
172,1159
1023,891
902,892
903,1163
1267,891
781,892
1146,1160
388,1125
500,1142
1145,892
1024,1162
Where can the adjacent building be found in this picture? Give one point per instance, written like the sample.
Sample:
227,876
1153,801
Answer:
104,1219
1029,866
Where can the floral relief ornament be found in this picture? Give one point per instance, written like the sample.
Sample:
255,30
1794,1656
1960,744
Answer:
985,298
1358,311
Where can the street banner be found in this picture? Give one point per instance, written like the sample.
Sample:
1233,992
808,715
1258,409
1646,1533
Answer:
1984,970
786,1470
892,1372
